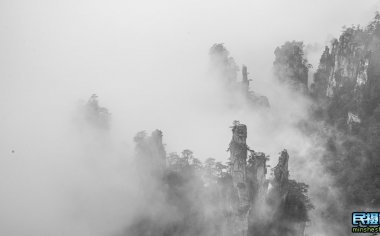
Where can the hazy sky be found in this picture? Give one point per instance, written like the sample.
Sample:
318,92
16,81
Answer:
146,58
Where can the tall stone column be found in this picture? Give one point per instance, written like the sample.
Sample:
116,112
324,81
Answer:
150,153
245,81
257,185
238,155
281,174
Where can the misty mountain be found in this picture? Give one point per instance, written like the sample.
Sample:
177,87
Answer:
182,118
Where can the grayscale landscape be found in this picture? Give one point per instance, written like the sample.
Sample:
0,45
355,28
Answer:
188,118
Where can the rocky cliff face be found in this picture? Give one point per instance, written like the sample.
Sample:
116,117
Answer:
223,66
349,73
346,93
344,70
251,97
238,150
258,211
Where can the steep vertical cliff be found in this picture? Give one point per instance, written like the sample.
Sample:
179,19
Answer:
280,211
348,75
346,93
238,155
225,69
150,152
252,98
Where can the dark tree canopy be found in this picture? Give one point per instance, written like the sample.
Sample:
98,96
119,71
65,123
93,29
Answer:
290,64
